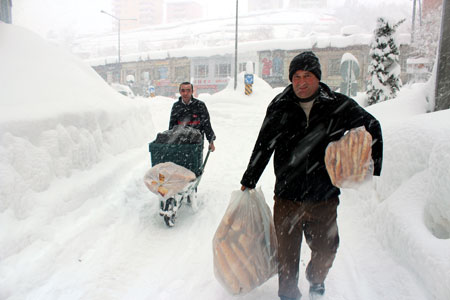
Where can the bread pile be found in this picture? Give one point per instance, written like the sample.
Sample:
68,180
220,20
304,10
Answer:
244,251
167,179
349,161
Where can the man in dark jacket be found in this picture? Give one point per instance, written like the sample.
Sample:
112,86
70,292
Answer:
299,124
188,111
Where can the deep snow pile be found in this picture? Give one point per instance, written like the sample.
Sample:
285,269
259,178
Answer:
78,223
411,210
57,116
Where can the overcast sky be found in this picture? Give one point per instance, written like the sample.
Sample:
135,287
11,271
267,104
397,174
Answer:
74,17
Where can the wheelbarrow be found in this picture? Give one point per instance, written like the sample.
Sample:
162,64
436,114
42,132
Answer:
183,169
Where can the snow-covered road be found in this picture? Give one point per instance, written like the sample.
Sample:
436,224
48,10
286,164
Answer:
110,243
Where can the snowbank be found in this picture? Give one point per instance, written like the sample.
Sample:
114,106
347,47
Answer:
412,212
58,116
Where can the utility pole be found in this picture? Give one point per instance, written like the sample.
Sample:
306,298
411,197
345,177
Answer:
443,61
236,47
413,30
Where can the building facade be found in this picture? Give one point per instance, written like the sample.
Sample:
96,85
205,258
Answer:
211,74
5,11
307,3
177,11
145,12
430,6
257,5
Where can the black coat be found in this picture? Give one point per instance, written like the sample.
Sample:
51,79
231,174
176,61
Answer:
195,114
300,147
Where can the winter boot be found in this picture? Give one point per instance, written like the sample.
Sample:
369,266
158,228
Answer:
316,291
287,298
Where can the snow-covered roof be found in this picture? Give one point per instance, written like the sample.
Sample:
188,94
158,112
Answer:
311,41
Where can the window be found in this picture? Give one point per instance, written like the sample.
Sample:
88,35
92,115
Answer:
201,71
223,70
243,67
145,76
334,67
182,73
161,73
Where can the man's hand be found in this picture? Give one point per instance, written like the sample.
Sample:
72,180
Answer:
212,147
243,188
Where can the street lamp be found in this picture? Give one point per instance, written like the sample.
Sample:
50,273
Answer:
118,40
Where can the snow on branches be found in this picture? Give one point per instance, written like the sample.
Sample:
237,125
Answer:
384,68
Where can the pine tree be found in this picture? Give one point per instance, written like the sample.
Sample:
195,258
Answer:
384,68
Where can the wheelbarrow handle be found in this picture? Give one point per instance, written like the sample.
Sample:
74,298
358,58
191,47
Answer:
204,163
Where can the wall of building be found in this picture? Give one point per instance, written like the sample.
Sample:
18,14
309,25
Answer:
307,3
210,74
430,5
145,12
5,11
177,11
257,5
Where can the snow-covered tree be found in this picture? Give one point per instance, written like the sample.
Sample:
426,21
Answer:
384,68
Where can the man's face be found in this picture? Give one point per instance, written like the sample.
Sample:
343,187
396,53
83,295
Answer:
305,84
186,92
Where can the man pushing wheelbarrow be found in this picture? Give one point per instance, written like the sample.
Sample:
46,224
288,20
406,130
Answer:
177,154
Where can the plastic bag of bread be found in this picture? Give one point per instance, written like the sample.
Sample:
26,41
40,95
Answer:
167,179
349,160
244,245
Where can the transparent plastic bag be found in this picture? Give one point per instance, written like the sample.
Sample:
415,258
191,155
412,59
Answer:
245,244
349,160
167,179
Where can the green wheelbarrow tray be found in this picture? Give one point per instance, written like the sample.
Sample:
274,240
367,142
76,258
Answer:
189,156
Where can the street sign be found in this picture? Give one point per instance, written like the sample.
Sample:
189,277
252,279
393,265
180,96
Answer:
151,90
248,78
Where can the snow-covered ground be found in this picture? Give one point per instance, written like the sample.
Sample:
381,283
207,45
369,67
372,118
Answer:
77,221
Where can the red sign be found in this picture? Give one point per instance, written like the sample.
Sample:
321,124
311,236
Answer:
207,86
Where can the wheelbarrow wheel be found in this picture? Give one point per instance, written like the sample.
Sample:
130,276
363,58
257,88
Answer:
169,216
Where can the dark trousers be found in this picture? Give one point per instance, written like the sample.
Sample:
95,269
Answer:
317,221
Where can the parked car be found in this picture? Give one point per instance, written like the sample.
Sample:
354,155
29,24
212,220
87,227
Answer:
123,89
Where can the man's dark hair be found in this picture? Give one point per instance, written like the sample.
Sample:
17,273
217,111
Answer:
186,82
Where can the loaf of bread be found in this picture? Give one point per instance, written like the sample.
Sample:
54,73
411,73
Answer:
244,246
167,179
349,161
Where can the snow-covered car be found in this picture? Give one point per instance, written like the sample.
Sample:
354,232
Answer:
123,89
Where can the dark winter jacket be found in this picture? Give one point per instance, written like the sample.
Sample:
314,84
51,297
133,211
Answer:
195,114
300,147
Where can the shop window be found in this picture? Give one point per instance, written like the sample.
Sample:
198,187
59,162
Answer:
182,73
201,71
162,73
223,70
334,67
